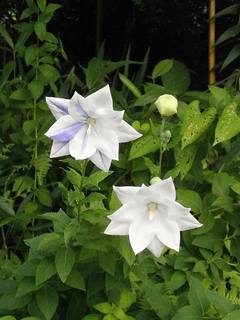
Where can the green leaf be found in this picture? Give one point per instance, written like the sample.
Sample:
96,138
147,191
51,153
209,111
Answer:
47,301
74,177
185,158
5,207
95,178
50,242
177,280
7,318
234,315
45,270
190,199
26,286
127,298
49,72
107,262
44,197
228,124
197,296
42,4
27,13
130,85
75,279
29,127
7,70
143,146
31,54
161,68
40,30
196,123
232,55
103,307
155,294
64,261
177,79
187,313
36,88
92,317
21,94
229,33
6,36
153,168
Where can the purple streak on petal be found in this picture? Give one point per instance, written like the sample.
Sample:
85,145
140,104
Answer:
67,133
60,147
59,105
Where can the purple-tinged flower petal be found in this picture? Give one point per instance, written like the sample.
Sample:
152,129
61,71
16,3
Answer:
127,133
59,149
63,129
58,106
76,109
101,161
82,146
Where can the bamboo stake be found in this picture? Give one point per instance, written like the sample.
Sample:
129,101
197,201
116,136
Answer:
211,69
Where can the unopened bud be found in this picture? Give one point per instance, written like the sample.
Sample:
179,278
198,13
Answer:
166,136
155,180
167,105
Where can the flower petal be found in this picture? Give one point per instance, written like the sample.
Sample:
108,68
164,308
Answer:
82,146
127,133
109,119
126,194
63,129
59,149
127,213
58,106
76,107
165,188
116,228
102,98
140,235
106,141
101,161
168,233
156,247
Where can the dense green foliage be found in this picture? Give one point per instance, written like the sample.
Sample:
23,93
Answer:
55,261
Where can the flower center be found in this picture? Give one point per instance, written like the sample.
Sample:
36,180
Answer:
91,122
152,208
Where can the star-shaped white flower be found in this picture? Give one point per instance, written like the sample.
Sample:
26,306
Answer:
151,217
88,128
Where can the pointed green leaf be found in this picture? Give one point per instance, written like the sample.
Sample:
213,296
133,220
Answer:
45,270
64,261
47,301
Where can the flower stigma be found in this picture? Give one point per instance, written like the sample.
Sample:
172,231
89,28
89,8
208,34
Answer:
91,122
152,208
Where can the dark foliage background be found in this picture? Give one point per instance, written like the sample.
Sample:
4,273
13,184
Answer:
171,29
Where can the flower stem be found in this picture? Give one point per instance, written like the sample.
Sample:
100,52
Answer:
162,149
84,166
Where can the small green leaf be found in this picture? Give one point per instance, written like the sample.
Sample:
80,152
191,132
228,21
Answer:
95,178
232,55
190,199
131,86
127,298
45,270
197,296
76,280
44,197
64,261
7,318
143,146
103,307
26,286
177,280
5,207
40,30
42,4
29,126
31,54
49,72
92,317
20,94
185,158
36,88
47,301
6,36
162,67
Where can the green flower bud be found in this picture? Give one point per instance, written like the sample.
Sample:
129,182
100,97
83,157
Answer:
145,127
166,136
155,180
167,105
136,125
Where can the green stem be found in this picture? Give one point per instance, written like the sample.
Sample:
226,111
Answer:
4,241
85,162
162,149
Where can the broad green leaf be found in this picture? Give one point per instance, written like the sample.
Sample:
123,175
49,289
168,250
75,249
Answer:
94,73
44,197
190,199
161,68
64,261
74,177
49,72
177,79
130,85
197,296
187,313
20,94
6,35
92,317
42,4
36,88
27,13
153,168
26,286
31,54
103,307
75,279
8,318
234,315
107,262
47,301
177,280
40,30
45,270
155,294
220,95
221,183
95,178
143,146
196,123
228,124
50,242
185,158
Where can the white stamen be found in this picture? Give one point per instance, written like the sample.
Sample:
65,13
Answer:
152,208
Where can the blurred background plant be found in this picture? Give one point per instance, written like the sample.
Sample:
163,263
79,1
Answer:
52,266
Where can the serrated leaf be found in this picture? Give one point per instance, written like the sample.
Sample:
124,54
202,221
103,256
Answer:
64,261
95,178
228,124
45,270
196,123
177,280
47,301
143,146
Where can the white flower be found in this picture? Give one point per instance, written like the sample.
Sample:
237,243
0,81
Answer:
88,128
167,105
151,217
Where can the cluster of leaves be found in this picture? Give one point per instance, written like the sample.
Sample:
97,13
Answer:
55,261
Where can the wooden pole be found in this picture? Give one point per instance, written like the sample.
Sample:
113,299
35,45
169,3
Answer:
211,69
